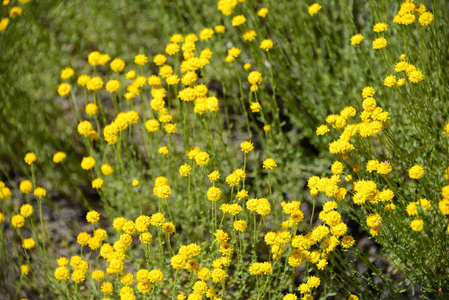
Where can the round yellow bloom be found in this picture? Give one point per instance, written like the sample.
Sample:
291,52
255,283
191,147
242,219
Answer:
206,34
269,164
163,150
356,39
62,273
255,78
95,83
247,146
85,128
172,49
67,73
26,187
107,288
415,76
59,157
140,59
380,27
178,262
26,210
107,169
416,172
40,192
184,170
83,80
18,221
135,183
240,225
97,183
238,20
219,275
417,225
155,276
249,35
219,28
266,44
257,268
202,158
88,163
117,65
92,217
112,86
314,9
262,12
390,80
24,269
15,12
98,275
28,243
30,158
380,43
4,23
426,19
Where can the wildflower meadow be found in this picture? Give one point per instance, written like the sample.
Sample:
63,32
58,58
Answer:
229,149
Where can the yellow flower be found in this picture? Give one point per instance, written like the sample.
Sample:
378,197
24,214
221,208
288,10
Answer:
322,130
28,243
83,80
40,192
426,18
135,183
62,273
112,86
416,172
184,170
15,12
163,150
59,157
4,23
390,80
26,187
140,59
87,163
97,183
67,73
18,221
356,39
117,65
220,28
64,89
92,217
206,34
247,146
238,20
262,12
380,43
269,164
24,269
380,27
26,210
95,83
415,76
202,158
314,9
266,44
417,225
255,107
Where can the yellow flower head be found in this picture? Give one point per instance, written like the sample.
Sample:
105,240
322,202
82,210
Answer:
140,59
356,39
380,43
67,73
314,9
247,146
